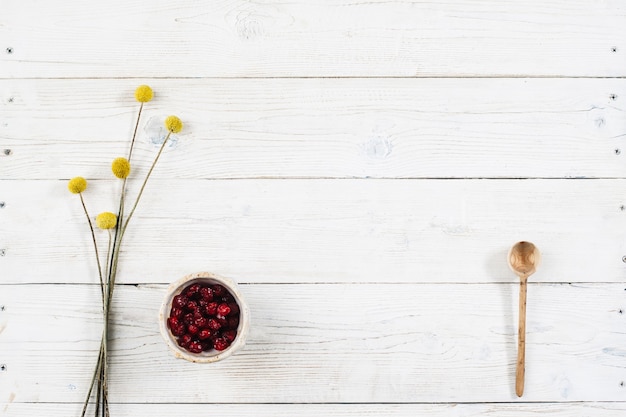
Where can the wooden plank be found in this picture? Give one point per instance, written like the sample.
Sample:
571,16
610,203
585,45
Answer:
316,230
346,128
325,343
596,409
321,230
123,38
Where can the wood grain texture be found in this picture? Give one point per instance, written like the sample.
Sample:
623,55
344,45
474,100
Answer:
298,38
324,343
321,230
320,128
595,409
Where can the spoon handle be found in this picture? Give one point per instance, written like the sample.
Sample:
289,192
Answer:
521,338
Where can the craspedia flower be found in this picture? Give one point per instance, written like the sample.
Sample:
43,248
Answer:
120,167
77,185
106,220
143,93
173,124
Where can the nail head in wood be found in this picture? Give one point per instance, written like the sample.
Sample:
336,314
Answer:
613,96
617,152
3,367
614,49
2,204
7,152
3,252
9,50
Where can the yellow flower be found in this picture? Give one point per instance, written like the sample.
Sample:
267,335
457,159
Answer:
120,167
143,93
173,124
106,220
77,185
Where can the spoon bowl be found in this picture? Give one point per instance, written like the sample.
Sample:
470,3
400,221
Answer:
524,257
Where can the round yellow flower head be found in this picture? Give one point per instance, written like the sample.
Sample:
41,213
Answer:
143,93
173,124
106,220
120,167
77,185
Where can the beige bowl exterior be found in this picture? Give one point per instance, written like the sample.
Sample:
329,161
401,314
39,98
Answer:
212,356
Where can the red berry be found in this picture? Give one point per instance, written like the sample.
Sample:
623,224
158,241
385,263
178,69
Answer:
211,309
229,335
223,309
218,290
176,312
205,334
188,318
234,308
191,305
197,315
220,343
172,322
214,324
201,322
179,329
233,322
206,293
194,347
222,321
193,291
179,301
192,329
184,340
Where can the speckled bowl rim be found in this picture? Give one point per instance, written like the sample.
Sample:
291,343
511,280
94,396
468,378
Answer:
205,357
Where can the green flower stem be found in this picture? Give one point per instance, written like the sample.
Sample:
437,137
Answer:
95,245
96,373
116,250
145,182
132,141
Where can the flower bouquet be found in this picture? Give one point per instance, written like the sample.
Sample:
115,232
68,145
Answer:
115,224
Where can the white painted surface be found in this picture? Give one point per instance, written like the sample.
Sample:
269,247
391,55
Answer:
366,215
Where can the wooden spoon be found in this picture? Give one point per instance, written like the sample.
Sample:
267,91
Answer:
524,258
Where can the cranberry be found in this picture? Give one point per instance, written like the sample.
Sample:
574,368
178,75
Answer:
233,322
220,343
192,305
201,322
204,317
179,329
172,322
184,340
227,298
176,312
234,308
206,294
219,290
229,335
223,310
179,301
194,347
211,309
188,318
214,324
222,321
205,334
193,291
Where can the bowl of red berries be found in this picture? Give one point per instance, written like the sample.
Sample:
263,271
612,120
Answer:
204,318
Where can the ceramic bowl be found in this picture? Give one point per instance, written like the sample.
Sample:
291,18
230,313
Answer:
212,355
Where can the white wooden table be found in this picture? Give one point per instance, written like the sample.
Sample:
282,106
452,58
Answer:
360,168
